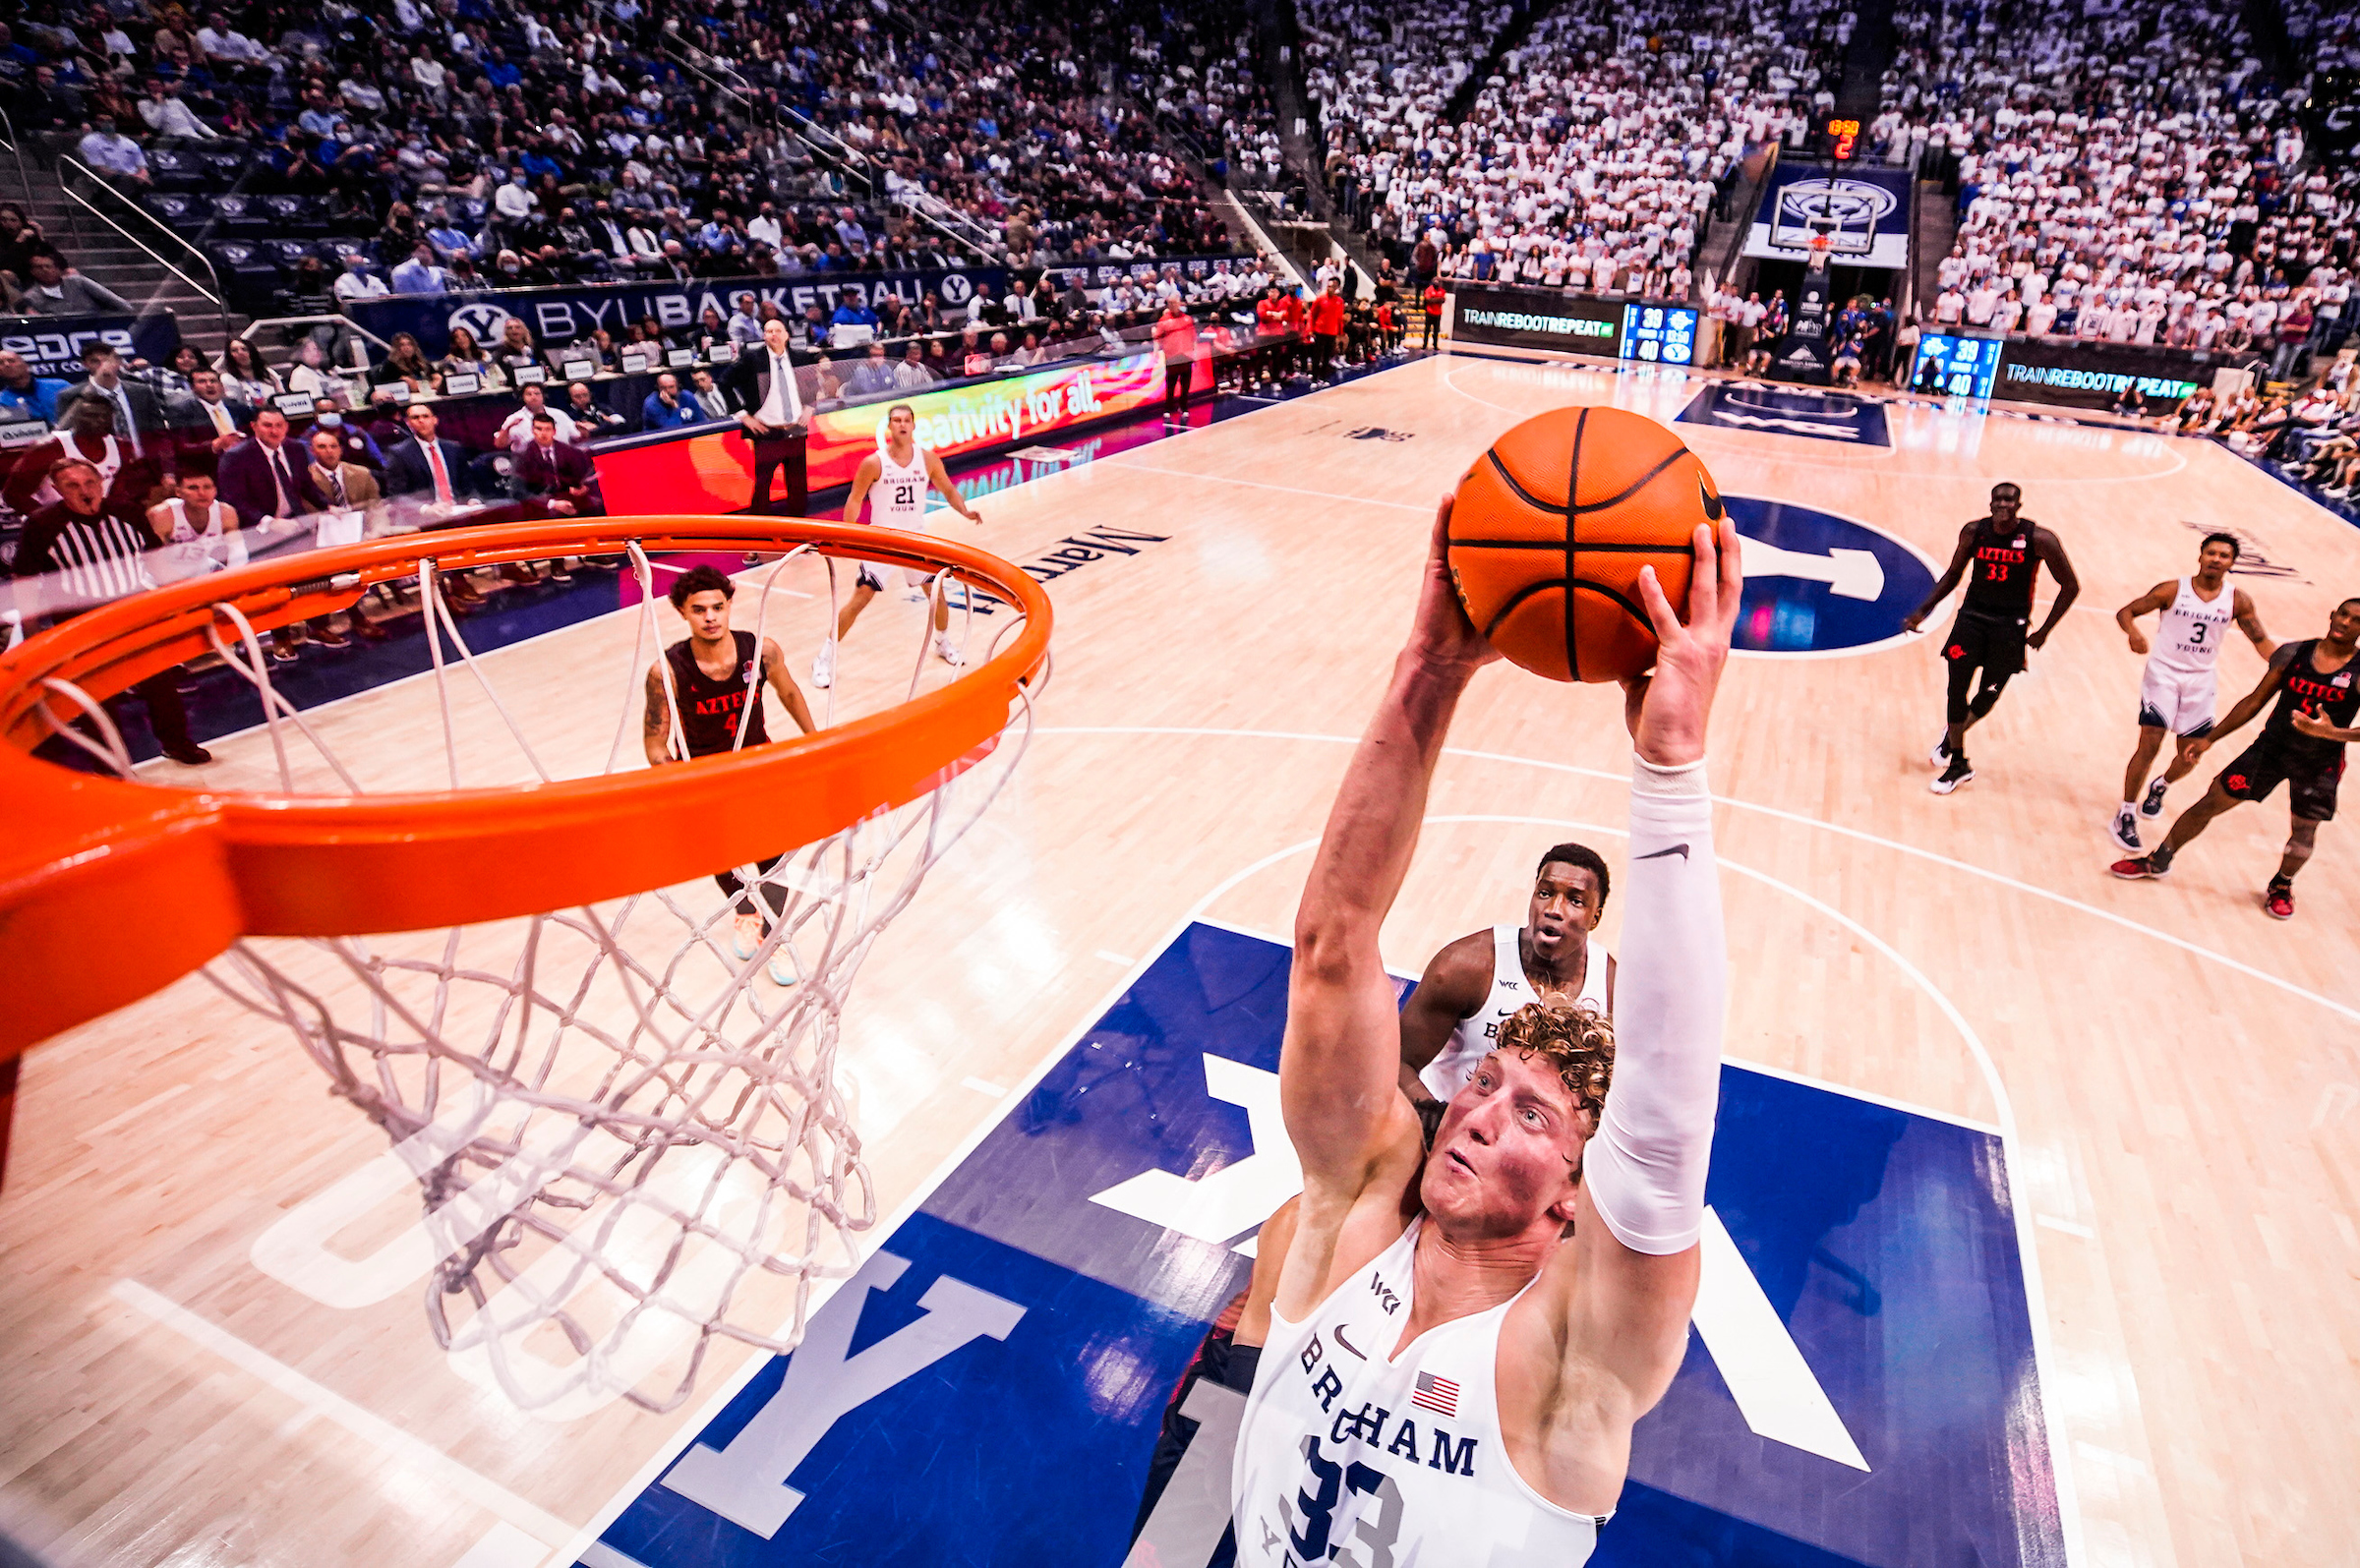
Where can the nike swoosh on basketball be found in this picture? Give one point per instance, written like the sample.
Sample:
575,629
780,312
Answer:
1347,1344
1680,849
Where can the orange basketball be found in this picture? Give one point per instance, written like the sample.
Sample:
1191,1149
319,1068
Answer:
1550,530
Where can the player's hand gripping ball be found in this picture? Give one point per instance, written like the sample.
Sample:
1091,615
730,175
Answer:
1552,525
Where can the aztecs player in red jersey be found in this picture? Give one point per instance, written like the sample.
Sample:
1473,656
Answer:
2317,684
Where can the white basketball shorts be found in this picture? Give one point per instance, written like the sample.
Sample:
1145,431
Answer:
2178,699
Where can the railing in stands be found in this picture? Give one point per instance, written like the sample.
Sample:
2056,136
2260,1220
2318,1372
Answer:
953,224
16,152
78,180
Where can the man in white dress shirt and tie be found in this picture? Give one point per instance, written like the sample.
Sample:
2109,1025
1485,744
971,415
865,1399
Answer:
768,404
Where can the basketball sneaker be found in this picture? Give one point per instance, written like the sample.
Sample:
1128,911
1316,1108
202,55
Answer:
2156,862
948,651
2278,899
745,935
2151,805
782,970
2125,832
1940,755
823,668
1957,773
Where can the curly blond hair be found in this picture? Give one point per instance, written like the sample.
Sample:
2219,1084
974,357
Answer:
1575,1040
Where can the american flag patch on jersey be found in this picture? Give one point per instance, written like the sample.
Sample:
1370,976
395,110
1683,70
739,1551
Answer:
1438,1394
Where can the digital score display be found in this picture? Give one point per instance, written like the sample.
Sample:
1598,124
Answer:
1663,334
1844,137
1956,367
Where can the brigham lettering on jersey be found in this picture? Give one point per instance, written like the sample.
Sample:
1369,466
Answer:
2178,691
898,499
1388,1461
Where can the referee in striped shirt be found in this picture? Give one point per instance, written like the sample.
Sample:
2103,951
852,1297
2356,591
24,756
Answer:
92,555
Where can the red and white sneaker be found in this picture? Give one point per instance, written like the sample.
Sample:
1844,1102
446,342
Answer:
2154,863
2277,901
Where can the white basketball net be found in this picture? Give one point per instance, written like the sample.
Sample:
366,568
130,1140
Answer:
620,1119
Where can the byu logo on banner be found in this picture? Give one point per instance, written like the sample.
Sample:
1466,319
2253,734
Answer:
1847,211
956,289
486,320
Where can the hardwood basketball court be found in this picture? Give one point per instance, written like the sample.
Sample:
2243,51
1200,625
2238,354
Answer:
2173,1076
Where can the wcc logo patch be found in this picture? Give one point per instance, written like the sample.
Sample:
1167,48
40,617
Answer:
987,1389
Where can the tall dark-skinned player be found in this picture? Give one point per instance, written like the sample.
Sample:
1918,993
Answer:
2317,684
2004,553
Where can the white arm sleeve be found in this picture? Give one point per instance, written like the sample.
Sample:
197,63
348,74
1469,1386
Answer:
1646,1166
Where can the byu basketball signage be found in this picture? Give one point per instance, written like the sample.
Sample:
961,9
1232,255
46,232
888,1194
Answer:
987,1389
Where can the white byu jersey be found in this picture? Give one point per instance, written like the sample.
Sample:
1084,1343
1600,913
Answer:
1345,1456
1479,1030
2188,633
898,499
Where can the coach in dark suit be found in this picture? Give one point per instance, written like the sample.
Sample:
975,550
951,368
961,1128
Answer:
264,476
206,424
423,463
136,408
762,394
556,475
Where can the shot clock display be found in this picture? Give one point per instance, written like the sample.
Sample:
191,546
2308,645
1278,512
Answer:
1843,137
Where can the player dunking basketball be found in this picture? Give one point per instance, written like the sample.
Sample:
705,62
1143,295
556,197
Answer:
894,479
716,673
1461,1339
2318,687
1478,982
2177,690
2005,552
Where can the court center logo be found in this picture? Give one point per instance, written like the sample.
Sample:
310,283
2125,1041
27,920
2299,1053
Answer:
486,320
1818,585
1847,211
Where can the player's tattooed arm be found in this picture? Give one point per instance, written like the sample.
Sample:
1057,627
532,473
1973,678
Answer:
2249,621
1951,574
2251,702
782,681
2147,603
2051,551
655,727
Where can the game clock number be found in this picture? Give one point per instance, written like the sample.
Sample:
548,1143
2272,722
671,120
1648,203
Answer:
1846,134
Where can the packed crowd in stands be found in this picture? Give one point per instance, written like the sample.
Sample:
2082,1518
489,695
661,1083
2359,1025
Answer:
519,144
2128,177
1593,156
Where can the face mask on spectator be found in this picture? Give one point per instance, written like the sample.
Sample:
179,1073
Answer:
331,419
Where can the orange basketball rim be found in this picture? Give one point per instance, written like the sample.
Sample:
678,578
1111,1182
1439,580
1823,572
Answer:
190,871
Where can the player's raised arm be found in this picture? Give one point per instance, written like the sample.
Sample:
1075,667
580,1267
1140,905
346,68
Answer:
1642,1188
1338,1072
2051,551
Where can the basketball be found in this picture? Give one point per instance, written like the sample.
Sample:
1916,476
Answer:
1552,525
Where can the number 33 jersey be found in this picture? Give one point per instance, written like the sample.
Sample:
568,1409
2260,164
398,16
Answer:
1347,1458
